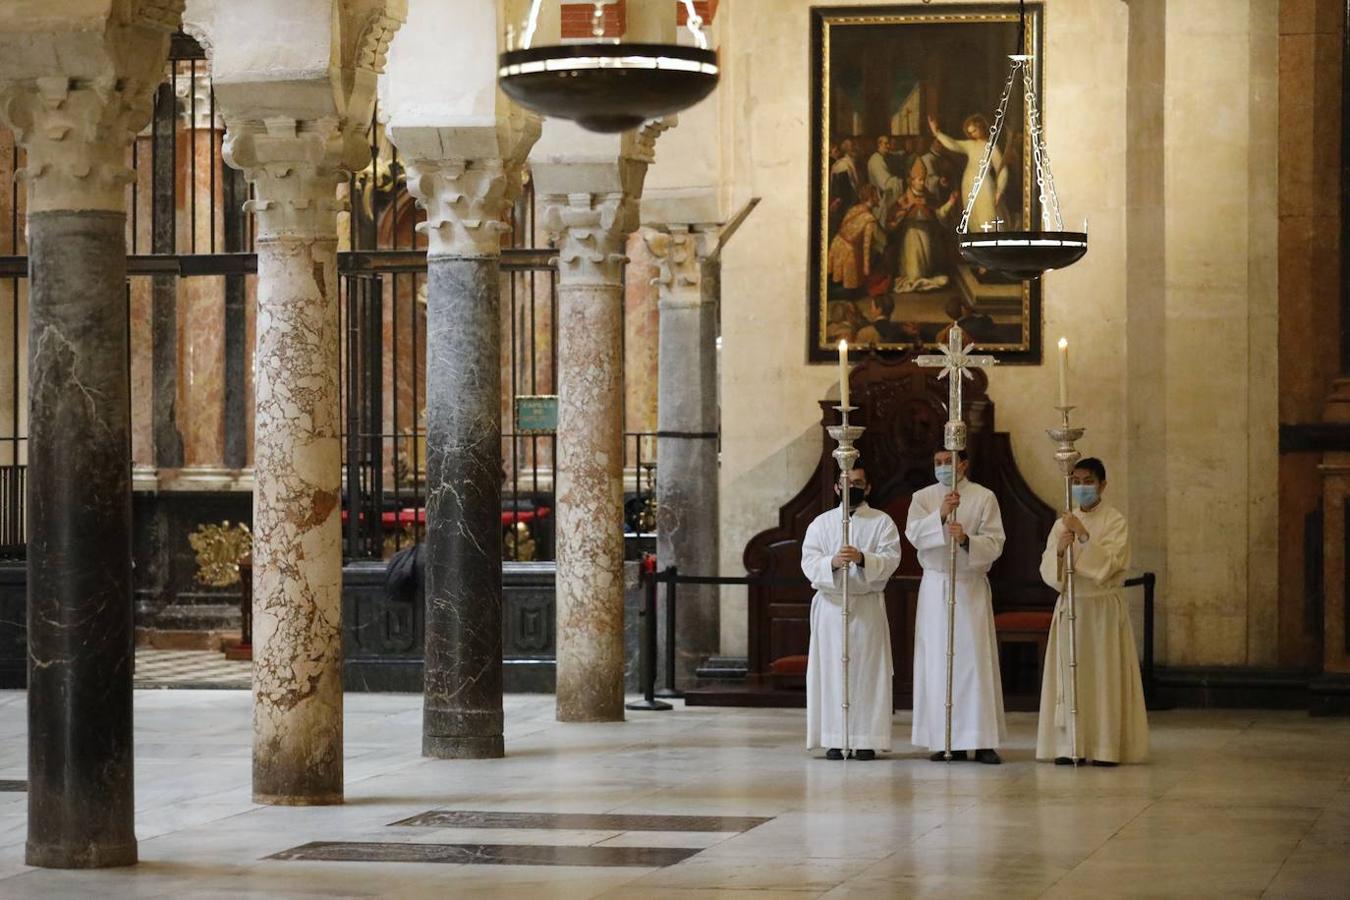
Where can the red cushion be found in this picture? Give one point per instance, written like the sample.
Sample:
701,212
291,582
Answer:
788,665
1023,620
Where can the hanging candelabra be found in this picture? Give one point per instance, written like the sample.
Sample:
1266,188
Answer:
608,86
1029,253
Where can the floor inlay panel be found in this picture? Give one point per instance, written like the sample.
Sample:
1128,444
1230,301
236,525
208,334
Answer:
468,818
488,854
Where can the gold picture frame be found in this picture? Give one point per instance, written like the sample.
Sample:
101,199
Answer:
888,189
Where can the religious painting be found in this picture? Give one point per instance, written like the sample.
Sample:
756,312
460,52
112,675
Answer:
903,100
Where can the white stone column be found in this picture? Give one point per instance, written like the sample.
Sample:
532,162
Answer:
591,204
297,501
75,87
295,139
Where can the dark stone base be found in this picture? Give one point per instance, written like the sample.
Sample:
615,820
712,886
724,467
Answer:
1329,695
98,856
449,747
1230,688
13,625
165,587
382,637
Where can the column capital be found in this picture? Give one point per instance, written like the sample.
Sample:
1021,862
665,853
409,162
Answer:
592,231
680,251
295,167
592,203
75,89
466,178
296,137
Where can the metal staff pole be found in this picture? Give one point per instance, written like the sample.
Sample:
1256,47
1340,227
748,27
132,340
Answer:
845,455
955,362
1067,455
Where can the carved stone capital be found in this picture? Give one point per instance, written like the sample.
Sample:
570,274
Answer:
679,251
592,231
466,178
465,200
295,168
75,96
193,93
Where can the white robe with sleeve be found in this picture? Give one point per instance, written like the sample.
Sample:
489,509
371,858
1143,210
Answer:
1112,721
977,693
870,668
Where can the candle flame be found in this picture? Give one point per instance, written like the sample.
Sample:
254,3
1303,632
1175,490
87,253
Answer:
1063,342
843,345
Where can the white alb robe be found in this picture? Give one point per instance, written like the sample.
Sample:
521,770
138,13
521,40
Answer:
870,668
977,692
1112,721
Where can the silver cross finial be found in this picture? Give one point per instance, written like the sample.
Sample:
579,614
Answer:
956,362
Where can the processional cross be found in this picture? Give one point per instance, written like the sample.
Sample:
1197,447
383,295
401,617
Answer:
956,362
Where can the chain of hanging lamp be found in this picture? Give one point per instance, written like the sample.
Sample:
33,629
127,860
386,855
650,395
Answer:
1045,180
693,21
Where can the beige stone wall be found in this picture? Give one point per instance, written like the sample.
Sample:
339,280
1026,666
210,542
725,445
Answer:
1199,376
1220,392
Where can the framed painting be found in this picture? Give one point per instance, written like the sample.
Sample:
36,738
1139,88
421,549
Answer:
901,104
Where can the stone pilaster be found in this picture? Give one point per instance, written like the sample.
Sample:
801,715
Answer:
465,200
76,125
297,553
687,416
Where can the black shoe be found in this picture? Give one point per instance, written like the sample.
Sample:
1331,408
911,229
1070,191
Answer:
834,753
988,757
1104,764
957,756
866,755
1065,761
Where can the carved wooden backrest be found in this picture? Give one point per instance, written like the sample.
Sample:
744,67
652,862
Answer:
903,408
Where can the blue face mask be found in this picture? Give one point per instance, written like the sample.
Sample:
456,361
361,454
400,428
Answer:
944,474
1085,496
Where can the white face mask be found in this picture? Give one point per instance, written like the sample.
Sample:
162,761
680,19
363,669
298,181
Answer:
945,474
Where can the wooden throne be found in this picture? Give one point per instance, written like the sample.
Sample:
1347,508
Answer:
903,408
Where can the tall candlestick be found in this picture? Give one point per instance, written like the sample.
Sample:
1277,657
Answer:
1063,371
843,373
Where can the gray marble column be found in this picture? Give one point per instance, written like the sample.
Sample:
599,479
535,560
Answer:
687,417
462,696
76,125
465,200
80,628
297,551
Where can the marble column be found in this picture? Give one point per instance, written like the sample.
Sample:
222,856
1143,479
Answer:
687,416
465,200
297,554
590,203
592,230
77,127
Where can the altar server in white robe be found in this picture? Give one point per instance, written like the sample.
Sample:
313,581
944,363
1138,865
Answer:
1112,723
868,561
970,514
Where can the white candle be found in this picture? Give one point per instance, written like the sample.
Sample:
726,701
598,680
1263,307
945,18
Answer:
843,373
1063,371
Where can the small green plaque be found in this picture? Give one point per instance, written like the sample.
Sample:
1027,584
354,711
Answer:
537,414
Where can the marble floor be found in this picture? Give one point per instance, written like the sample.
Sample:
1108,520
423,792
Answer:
713,803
